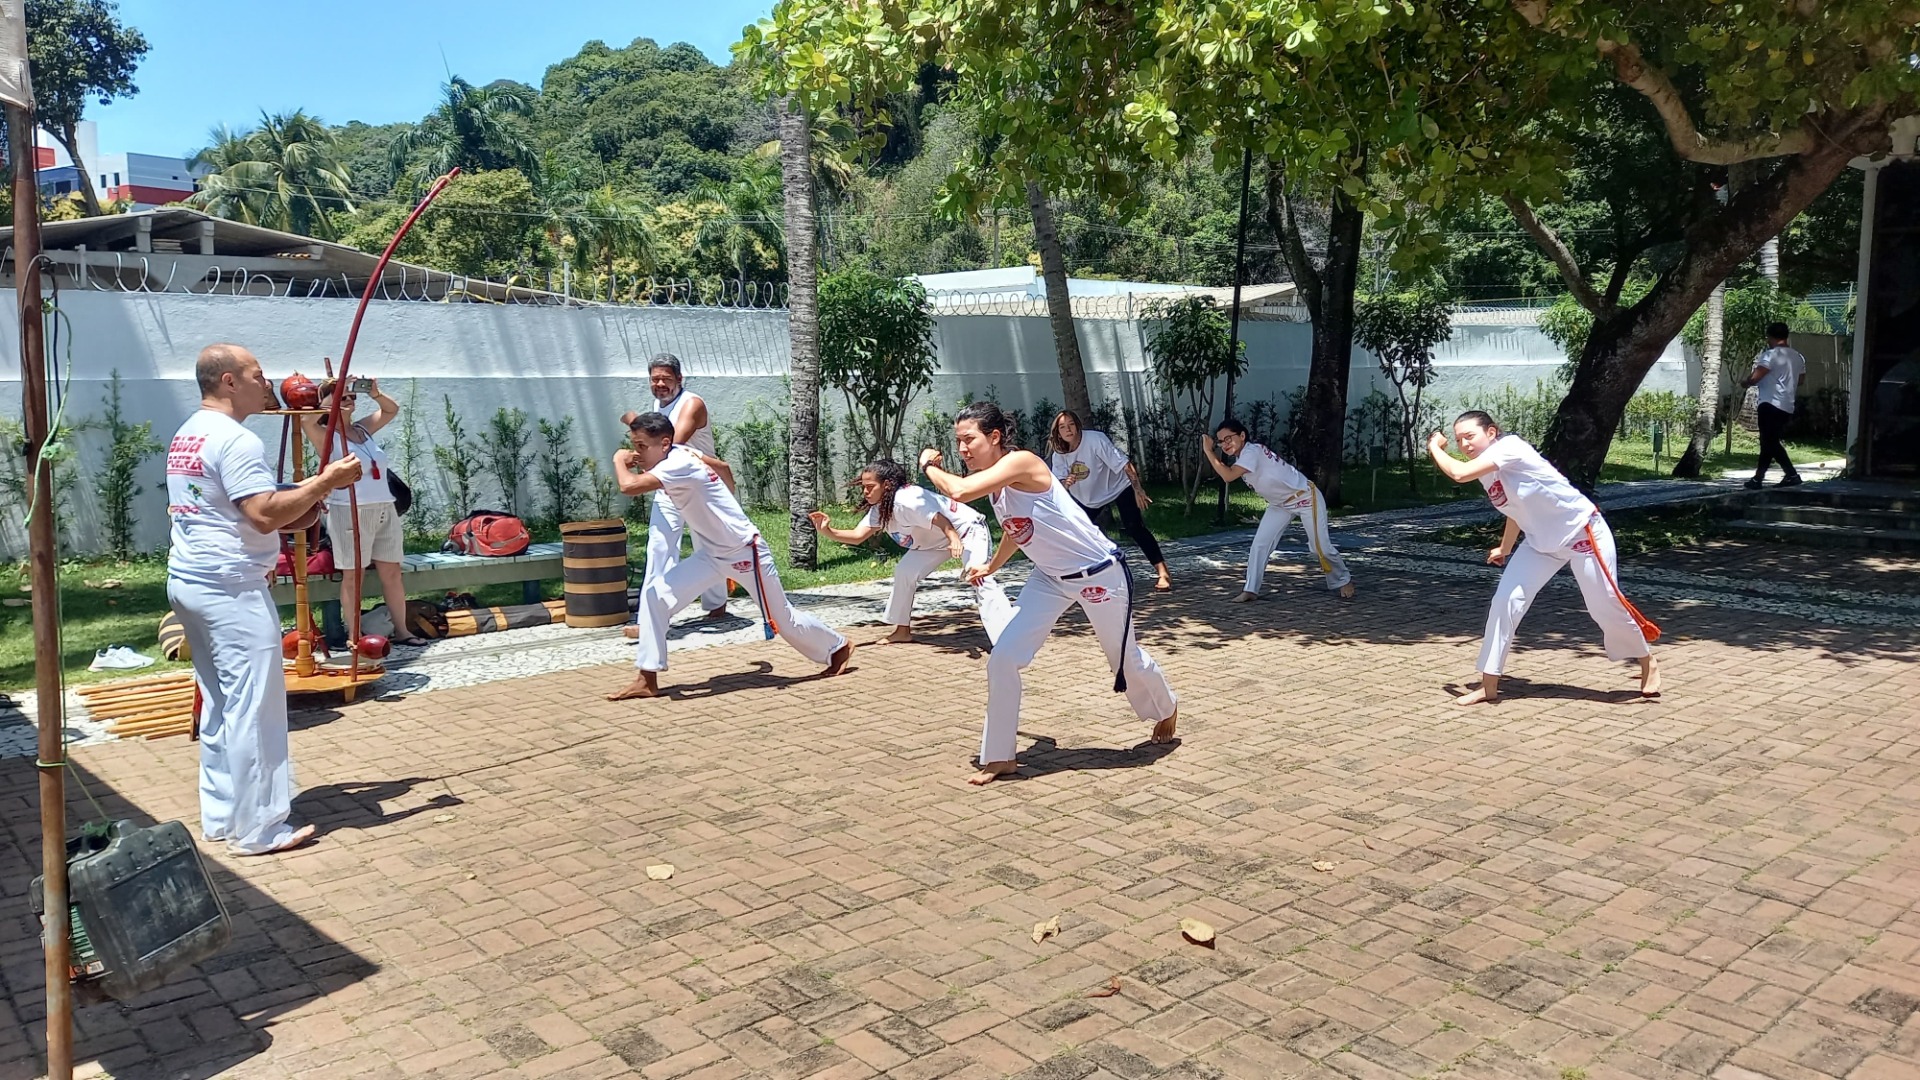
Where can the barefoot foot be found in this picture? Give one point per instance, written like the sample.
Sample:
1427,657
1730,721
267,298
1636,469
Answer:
900,636
1649,677
1347,591
300,837
837,663
1476,697
630,632
644,685
1163,731
715,613
991,771
1163,585
1245,598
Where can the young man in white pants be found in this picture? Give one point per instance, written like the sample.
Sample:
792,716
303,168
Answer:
1563,528
227,513
692,427
1074,563
933,529
726,545
1288,493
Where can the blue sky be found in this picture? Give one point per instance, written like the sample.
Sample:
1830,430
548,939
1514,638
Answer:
223,61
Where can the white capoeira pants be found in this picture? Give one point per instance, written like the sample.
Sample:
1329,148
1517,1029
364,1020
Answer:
1529,569
246,779
976,549
661,597
1312,511
1043,599
664,529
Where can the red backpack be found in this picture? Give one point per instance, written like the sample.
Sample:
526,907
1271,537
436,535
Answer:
488,532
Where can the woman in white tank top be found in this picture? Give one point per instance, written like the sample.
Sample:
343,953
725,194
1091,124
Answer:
1074,563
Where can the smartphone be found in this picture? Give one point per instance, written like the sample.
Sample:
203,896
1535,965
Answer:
359,386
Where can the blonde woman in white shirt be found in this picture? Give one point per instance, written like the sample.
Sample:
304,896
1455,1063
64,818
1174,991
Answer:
1562,527
1289,494
1073,563
933,529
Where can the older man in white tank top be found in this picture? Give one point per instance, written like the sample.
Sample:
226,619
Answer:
691,427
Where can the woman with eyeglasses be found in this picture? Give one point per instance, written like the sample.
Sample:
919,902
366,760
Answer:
1289,494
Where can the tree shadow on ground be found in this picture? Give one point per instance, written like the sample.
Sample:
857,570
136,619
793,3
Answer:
204,1021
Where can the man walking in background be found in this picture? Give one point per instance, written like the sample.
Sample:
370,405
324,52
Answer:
1777,372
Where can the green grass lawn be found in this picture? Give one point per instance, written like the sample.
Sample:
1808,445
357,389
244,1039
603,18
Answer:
1634,460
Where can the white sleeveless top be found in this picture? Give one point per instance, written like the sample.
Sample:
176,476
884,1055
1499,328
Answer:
1051,528
373,486
702,439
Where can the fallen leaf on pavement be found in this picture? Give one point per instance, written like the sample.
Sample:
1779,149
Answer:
1044,930
442,819
1369,844
1322,865
1197,932
660,871
1112,988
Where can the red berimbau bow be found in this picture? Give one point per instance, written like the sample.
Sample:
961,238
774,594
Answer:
333,416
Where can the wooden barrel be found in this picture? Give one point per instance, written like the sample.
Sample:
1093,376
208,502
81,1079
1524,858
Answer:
593,562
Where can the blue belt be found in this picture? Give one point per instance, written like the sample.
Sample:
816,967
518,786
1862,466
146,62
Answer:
1089,571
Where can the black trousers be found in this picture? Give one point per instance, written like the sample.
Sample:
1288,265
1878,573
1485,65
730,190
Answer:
1131,523
1773,425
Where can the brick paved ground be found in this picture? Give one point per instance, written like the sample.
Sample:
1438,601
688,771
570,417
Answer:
1570,884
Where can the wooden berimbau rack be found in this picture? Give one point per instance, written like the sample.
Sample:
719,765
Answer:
305,673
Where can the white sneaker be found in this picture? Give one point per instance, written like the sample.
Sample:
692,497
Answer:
118,658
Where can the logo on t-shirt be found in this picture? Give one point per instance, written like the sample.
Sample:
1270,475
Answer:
1583,545
902,539
1498,493
1095,594
743,565
183,456
1021,529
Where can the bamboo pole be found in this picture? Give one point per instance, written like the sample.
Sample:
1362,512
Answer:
42,556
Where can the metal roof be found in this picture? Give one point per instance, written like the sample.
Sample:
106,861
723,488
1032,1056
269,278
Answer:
176,249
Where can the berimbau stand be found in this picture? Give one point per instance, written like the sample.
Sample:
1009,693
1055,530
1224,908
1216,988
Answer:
305,673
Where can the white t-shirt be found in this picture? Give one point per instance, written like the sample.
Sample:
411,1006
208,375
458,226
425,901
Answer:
1528,489
914,508
702,439
212,464
1271,477
705,504
372,487
1781,383
1057,535
1100,467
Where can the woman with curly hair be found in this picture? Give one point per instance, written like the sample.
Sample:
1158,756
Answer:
933,529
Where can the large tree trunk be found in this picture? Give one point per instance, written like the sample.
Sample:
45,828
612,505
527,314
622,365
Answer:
1624,344
1706,404
803,325
1053,270
1320,441
70,138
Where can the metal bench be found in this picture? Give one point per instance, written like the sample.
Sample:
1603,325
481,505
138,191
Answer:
434,571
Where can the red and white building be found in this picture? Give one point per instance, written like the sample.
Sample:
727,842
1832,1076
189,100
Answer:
146,180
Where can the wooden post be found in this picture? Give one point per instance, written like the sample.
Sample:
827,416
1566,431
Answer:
303,662
42,559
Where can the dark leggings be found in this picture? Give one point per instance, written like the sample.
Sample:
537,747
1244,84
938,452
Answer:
1131,523
1773,425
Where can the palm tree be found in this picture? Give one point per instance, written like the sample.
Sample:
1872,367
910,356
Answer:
754,207
282,175
471,129
803,327
607,224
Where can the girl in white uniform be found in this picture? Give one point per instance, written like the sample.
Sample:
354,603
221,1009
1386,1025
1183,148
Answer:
1288,493
1562,527
727,546
932,529
1074,563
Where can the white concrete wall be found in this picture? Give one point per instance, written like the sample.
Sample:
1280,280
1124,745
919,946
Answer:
590,363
